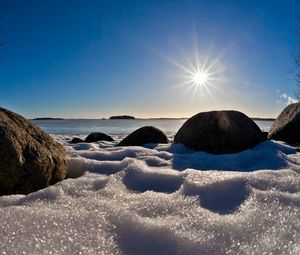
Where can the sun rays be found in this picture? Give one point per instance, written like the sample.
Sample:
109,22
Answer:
197,74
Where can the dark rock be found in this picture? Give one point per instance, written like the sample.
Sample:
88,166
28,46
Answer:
97,136
76,140
29,158
143,136
265,135
287,126
219,132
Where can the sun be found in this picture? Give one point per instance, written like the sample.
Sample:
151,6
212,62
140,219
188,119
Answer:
199,74
199,78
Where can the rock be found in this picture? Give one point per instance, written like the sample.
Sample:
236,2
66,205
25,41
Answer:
143,136
287,126
76,140
219,132
29,158
97,136
265,135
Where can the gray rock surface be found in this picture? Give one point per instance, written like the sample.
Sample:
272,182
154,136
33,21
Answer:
287,126
29,158
219,132
143,136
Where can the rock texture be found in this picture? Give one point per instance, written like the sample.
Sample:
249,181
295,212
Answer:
287,126
29,158
97,136
219,132
143,136
76,140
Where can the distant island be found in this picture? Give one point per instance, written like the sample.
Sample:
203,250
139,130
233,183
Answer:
263,119
48,118
122,117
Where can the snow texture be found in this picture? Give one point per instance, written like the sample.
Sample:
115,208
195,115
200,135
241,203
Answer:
161,199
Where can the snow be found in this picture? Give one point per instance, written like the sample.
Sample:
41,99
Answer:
161,199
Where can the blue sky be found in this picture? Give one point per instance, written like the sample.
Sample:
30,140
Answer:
94,59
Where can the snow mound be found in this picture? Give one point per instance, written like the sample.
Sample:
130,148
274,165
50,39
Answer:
161,199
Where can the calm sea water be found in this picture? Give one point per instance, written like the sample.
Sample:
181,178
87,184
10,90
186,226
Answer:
116,127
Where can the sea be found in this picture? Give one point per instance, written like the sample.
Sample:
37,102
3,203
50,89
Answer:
116,127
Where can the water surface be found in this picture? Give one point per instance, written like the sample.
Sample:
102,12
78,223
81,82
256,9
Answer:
116,127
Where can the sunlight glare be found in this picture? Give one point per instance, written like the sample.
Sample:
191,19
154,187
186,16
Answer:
199,74
200,78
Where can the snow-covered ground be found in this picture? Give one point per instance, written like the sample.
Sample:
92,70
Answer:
161,199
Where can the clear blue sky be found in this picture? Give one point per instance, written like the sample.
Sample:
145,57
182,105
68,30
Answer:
94,59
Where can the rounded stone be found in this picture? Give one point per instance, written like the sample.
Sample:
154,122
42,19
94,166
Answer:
97,136
287,125
219,132
29,158
143,136
76,140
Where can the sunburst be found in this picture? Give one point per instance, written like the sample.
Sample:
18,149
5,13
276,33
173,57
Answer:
198,74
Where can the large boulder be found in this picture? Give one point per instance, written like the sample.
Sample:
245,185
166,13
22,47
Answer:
219,132
287,126
143,136
97,136
29,158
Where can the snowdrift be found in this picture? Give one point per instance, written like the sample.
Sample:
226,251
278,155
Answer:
161,199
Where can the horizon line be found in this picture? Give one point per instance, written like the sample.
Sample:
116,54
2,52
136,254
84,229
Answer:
135,118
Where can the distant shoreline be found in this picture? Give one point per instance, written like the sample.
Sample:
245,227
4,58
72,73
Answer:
264,119
162,118
48,118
